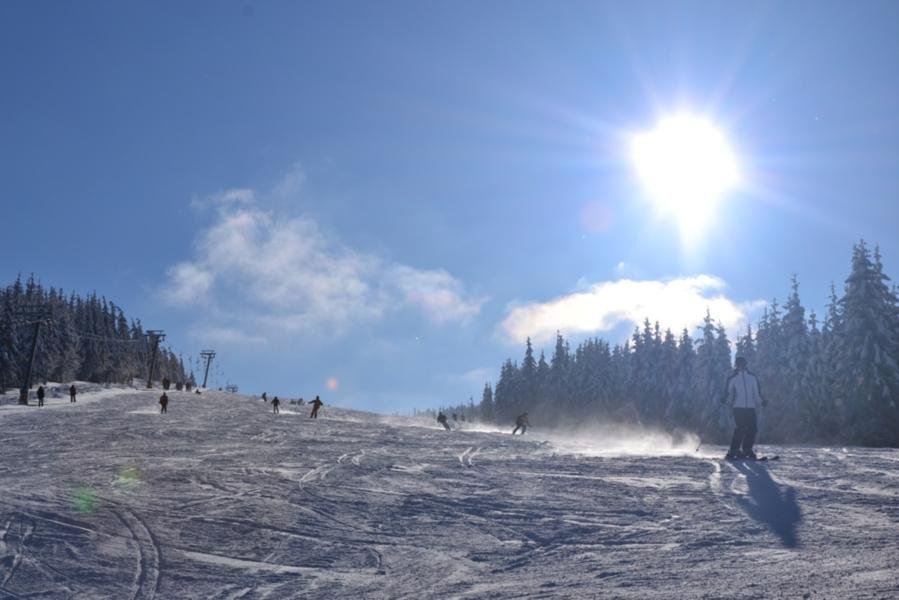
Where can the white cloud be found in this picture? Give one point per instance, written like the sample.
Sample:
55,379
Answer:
437,293
273,273
188,283
224,199
675,303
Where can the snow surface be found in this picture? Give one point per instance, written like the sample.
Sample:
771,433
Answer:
220,498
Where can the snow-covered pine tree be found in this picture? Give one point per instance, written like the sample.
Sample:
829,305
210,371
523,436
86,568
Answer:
867,354
796,354
486,406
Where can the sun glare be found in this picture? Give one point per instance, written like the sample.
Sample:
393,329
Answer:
686,166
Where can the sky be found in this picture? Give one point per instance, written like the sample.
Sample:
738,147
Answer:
378,202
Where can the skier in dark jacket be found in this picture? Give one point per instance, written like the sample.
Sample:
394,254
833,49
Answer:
72,393
264,397
316,404
521,423
40,395
163,403
441,418
744,394
275,404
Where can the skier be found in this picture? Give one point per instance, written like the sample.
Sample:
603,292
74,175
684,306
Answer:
275,403
521,423
40,395
455,419
163,403
301,402
316,404
264,397
441,418
745,396
72,393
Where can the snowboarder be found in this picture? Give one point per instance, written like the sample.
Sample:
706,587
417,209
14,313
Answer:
745,396
40,395
72,393
264,397
275,404
316,404
521,423
441,418
163,403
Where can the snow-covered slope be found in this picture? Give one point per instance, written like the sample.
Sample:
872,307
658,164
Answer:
219,498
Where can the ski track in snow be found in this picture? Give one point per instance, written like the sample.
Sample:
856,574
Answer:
222,499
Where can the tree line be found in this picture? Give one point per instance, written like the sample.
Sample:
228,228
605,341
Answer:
830,380
86,339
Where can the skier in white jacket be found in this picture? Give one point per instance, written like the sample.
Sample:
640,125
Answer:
745,396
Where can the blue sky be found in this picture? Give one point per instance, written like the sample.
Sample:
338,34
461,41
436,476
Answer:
393,194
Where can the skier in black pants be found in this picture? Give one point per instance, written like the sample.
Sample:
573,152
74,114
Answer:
441,418
163,403
522,423
316,404
745,396
276,402
72,392
40,395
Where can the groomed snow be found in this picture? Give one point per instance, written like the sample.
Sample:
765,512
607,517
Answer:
220,498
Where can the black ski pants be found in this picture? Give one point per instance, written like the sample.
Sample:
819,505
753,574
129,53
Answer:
745,430
522,427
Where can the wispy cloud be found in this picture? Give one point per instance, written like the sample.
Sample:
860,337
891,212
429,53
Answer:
260,270
603,306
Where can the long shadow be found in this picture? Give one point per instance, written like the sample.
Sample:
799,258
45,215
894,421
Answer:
770,503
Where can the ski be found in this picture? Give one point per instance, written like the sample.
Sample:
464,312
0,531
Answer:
757,459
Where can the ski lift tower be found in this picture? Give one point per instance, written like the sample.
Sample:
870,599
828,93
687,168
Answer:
154,336
208,355
32,315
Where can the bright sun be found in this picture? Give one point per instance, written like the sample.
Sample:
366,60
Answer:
686,165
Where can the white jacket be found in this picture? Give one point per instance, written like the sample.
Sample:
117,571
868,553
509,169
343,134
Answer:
743,390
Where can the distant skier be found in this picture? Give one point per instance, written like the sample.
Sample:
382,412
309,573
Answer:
522,423
72,393
275,404
197,391
40,395
163,403
316,404
455,419
301,402
264,397
441,418
745,396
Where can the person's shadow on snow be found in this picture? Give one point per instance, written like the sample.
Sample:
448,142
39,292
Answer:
770,503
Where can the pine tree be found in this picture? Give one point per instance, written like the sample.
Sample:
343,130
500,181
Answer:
867,373
487,404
